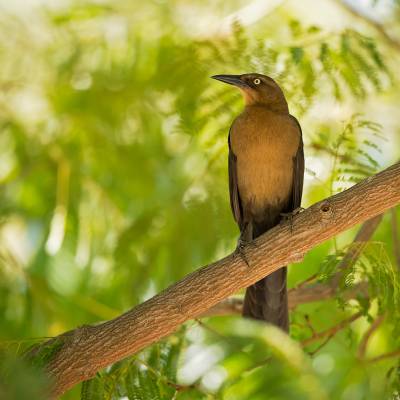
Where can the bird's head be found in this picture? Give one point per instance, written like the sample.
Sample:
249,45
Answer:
257,89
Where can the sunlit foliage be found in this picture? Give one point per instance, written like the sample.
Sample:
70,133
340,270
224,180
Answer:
113,179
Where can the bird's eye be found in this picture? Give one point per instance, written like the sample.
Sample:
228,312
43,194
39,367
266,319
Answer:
257,81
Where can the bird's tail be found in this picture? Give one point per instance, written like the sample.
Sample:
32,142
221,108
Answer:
267,300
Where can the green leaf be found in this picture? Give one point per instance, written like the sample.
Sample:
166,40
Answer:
297,54
92,389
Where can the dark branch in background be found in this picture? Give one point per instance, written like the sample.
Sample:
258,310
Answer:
395,353
77,355
395,236
367,336
320,147
394,43
330,332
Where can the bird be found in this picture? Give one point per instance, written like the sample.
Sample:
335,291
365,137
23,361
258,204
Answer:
266,173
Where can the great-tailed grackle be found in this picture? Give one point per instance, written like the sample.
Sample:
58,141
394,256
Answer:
266,168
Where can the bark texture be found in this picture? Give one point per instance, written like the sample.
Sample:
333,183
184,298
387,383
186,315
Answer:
85,350
310,292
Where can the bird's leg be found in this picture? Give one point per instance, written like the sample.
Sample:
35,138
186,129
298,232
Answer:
245,238
293,213
289,216
240,249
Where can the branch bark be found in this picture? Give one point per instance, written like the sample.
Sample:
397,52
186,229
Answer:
307,293
85,350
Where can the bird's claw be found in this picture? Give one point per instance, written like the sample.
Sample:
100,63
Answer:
293,213
289,216
240,249
253,244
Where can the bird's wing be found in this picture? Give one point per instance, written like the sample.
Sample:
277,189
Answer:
298,172
236,205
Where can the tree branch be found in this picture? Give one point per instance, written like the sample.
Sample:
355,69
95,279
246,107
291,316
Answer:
330,332
80,353
384,356
308,293
367,336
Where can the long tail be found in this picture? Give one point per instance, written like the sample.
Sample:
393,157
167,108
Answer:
267,300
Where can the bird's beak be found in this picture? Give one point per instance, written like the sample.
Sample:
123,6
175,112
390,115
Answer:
231,80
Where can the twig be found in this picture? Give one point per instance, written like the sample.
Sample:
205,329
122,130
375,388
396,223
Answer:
328,150
158,375
259,364
331,331
211,330
304,283
309,325
226,339
323,344
230,306
296,297
364,341
395,353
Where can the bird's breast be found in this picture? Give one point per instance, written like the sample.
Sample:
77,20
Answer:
265,145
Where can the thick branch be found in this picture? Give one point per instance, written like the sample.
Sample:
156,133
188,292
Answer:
85,350
313,292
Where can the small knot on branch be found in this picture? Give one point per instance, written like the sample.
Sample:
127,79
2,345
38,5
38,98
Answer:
326,211
325,207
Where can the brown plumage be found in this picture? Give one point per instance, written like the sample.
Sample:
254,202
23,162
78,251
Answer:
266,168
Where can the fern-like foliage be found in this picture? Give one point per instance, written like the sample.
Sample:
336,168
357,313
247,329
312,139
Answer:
40,355
142,130
152,374
372,266
93,389
355,152
314,61
393,380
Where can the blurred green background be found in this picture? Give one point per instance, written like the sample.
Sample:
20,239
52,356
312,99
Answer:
113,182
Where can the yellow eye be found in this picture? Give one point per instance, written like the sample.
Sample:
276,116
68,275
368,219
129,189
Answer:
257,81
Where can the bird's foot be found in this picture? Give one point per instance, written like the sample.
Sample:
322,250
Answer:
293,213
289,216
240,249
